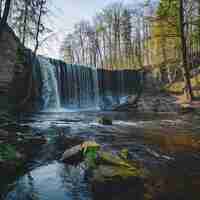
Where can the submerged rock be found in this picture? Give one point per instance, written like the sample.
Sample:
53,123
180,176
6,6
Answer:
105,121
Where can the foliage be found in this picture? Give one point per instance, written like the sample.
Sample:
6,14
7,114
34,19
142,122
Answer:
90,150
178,87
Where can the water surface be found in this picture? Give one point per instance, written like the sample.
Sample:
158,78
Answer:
167,145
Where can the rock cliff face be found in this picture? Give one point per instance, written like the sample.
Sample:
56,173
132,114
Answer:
15,71
9,44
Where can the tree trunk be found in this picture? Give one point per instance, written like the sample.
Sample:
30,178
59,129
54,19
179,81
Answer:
4,18
25,22
1,7
38,29
184,53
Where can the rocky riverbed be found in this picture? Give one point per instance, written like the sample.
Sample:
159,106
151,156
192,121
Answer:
165,146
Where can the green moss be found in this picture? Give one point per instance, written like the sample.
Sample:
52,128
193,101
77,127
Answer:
110,159
124,154
107,172
7,152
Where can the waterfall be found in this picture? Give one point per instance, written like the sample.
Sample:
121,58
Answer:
50,94
74,86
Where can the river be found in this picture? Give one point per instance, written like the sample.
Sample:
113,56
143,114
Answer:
167,145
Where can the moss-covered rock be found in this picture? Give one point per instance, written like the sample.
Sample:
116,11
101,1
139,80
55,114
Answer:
112,176
110,159
105,120
117,182
10,160
117,178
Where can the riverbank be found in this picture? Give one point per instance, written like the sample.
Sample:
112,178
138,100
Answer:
16,148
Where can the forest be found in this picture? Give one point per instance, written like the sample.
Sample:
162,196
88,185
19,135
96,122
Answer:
99,100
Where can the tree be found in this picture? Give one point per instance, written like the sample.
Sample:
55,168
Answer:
5,15
126,35
184,51
41,4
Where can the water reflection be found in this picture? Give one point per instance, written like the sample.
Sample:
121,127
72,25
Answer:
53,181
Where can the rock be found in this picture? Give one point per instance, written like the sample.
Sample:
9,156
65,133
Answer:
65,142
73,155
116,178
124,154
111,176
3,134
77,153
31,144
117,183
105,121
111,159
11,160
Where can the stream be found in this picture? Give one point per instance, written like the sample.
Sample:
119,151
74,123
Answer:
167,145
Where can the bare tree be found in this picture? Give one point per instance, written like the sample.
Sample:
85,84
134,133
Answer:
4,18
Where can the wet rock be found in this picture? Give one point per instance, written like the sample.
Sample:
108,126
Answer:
117,182
109,158
79,152
30,145
64,142
105,121
10,160
73,155
16,149
3,134
116,178
111,176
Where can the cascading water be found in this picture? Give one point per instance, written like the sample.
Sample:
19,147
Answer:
77,85
50,94
74,86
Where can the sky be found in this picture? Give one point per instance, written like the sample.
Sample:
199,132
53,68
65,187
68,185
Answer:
64,14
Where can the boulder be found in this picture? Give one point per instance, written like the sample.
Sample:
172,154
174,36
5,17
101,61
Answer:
73,155
116,178
109,158
105,121
117,182
77,153
112,176
64,142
